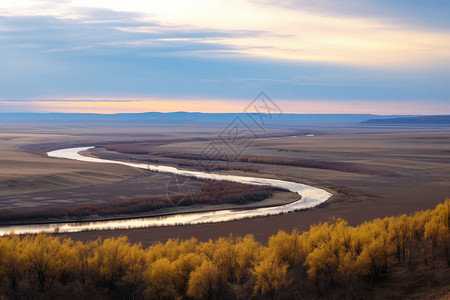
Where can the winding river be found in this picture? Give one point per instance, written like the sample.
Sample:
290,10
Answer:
310,197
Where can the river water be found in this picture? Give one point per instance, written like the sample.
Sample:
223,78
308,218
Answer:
310,197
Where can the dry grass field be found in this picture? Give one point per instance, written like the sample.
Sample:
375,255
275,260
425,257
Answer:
409,170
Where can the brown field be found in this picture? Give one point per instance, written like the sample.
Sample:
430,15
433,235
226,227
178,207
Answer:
409,171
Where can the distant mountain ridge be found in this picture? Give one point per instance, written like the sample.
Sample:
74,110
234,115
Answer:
196,117
421,120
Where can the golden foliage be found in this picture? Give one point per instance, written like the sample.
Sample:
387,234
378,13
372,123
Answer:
204,281
326,253
271,276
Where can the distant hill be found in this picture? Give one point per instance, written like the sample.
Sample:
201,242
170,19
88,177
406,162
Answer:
187,117
422,120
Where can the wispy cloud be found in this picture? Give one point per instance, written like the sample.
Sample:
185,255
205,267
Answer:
199,49
252,28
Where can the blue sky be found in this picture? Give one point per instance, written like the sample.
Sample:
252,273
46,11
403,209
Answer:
386,57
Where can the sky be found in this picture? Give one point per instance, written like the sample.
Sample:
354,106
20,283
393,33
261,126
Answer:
323,56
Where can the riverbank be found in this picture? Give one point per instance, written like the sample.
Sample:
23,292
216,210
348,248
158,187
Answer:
277,199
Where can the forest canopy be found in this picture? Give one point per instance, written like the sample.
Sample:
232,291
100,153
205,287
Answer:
330,256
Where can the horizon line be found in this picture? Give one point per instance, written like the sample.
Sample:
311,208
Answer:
210,113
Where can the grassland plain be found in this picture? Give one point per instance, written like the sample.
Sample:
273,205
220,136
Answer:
416,161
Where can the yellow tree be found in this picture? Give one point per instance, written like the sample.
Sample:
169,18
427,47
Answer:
371,261
204,281
270,275
13,259
208,248
327,246
189,246
48,258
420,219
183,267
352,242
160,279
225,258
247,250
84,255
432,232
378,233
322,261
398,228
109,259
135,262
416,231
155,252
288,248
172,249
437,229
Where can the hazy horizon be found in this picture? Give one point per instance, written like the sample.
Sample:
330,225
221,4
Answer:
218,113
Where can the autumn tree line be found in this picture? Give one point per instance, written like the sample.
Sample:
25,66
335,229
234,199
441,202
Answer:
329,257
